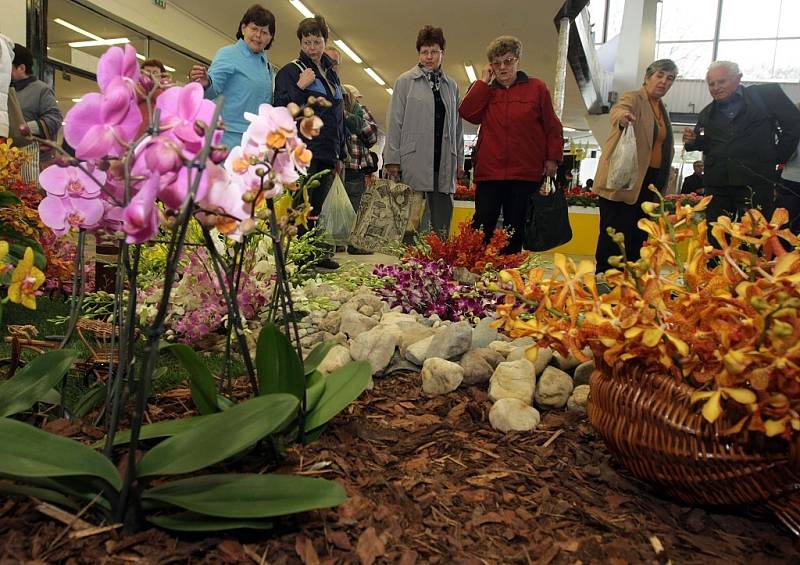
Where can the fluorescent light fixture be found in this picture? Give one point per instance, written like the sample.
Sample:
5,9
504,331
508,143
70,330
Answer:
374,76
140,57
300,7
80,30
569,129
470,72
349,52
390,91
77,99
100,42
170,69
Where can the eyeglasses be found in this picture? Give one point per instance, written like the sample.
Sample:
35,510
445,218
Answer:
430,53
255,30
312,42
507,62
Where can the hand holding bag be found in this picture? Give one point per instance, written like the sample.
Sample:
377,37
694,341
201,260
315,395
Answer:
623,165
547,219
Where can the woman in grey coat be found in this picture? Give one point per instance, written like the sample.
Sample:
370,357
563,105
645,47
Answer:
424,141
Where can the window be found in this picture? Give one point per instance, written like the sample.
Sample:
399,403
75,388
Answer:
691,57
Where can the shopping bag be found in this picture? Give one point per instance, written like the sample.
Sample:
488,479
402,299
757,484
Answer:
547,220
337,215
623,165
388,210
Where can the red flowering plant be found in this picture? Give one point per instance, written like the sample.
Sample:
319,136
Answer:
464,192
725,320
576,196
467,249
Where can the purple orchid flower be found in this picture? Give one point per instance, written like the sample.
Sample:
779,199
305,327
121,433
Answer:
118,63
102,125
64,213
180,108
140,219
72,181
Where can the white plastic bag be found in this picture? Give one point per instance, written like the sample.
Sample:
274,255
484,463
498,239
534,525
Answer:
337,215
623,165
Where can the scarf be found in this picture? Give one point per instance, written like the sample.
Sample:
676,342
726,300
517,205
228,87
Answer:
434,77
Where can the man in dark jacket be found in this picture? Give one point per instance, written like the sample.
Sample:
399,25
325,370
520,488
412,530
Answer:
36,99
312,74
744,133
694,183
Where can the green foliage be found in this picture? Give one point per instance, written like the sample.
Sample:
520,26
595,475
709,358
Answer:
90,400
47,495
26,451
278,367
201,382
316,387
167,428
342,387
213,440
191,522
248,495
317,356
34,381
304,252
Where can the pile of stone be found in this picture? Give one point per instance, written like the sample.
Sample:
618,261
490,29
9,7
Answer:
450,355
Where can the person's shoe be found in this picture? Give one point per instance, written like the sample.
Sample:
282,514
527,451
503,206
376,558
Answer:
326,264
353,250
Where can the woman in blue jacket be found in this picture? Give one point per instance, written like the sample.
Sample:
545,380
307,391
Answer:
241,73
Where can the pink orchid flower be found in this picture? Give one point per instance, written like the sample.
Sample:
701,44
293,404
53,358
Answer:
102,125
118,63
72,181
245,176
162,155
64,213
173,194
269,129
181,107
141,218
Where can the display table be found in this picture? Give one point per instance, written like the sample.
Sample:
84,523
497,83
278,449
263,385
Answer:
585,224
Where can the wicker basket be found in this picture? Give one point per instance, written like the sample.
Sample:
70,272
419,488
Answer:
650,426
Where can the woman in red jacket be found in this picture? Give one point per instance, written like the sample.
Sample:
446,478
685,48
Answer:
520,139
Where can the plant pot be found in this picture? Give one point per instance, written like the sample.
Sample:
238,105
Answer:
649,425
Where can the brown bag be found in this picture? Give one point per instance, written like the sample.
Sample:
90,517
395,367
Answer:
16,120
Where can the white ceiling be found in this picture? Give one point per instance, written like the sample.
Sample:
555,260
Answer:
384,33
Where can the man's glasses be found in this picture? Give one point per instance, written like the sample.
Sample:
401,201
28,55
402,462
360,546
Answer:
430,53
507,62
312,42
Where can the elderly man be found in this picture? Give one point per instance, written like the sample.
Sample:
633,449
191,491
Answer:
744,133
694,182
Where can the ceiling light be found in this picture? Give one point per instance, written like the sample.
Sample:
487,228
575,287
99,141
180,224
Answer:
170,69
569,129
140,56
374,76
73,27
77,99
100,42
470,72
390,91
349,52
300,7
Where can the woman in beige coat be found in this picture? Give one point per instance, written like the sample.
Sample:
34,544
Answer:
621,209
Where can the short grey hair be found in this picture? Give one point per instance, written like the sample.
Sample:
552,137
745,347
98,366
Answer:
730,66
502,45
666,65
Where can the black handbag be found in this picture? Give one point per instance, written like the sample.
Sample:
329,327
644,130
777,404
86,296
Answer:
547,221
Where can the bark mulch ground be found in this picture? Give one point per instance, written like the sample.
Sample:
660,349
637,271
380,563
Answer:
431,482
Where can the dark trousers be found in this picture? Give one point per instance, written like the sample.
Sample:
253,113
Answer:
438,213
509,196
734,201
623,218
355,186
787,196
318,195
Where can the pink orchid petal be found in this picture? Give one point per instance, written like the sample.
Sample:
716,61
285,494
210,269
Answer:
81,117
91,209
53,213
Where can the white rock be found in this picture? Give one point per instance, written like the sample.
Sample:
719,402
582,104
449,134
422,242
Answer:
453,341
397,316
568,363
411,332
504,348
553,389
482,334
417,351
513,379
517,354
513,415
543,357
337,357
582,373
355,323
479,364
579,398
440,376
375,346
331,323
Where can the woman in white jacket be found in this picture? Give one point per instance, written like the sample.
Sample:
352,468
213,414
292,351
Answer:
6,57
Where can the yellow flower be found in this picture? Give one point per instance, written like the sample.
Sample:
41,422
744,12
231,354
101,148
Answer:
24,282
3,250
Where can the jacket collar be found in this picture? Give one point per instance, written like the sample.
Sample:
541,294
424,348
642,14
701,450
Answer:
417,72
521,77
22,83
